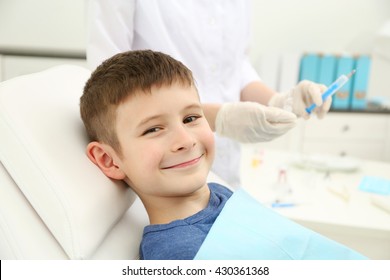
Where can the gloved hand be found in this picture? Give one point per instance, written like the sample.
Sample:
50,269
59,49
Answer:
250,122
300,97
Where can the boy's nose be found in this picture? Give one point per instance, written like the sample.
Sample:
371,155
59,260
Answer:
182,139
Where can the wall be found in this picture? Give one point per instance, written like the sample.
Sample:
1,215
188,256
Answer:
54,27
316,25
48,26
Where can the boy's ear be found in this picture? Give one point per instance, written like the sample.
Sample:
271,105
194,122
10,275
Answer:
99,155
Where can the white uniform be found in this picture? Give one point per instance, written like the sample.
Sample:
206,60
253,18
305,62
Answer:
209,37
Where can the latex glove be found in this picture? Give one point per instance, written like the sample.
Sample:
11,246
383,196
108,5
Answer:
300,97
250,122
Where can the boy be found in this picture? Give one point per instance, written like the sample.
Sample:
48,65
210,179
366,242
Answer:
142,112
147,127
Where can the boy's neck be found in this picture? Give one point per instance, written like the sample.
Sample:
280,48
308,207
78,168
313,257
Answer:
163,210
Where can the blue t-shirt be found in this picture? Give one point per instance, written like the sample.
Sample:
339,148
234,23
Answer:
181,239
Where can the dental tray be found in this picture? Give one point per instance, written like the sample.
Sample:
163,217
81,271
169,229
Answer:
326,162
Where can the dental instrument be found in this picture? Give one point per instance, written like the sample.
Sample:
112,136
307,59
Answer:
332,89
283,204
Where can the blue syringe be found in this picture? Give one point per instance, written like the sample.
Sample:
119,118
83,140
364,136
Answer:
332,89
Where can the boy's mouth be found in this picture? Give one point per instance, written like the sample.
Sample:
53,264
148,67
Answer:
185,163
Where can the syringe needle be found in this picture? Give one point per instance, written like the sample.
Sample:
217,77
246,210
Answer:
332,89
350,74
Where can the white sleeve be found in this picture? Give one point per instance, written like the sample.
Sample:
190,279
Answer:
109,29
248,73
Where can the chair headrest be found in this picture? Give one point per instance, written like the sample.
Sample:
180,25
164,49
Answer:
43,148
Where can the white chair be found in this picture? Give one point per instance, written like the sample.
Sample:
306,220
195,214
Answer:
54,203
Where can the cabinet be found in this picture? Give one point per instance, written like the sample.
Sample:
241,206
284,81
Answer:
13,65
363,135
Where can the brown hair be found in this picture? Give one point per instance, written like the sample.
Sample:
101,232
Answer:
120,76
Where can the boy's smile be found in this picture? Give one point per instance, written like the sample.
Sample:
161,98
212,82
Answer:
189,163
167,144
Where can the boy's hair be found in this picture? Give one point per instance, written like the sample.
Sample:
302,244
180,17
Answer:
119,77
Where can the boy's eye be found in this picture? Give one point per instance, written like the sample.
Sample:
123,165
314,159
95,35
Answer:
151,130
190,119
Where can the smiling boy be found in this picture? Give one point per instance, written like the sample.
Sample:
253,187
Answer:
148,128
143,115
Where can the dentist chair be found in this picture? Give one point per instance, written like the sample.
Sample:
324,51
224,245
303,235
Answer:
54,203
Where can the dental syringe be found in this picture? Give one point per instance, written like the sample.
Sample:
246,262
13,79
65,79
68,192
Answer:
332,89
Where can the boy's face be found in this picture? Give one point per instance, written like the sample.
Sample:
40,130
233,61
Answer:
167,144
